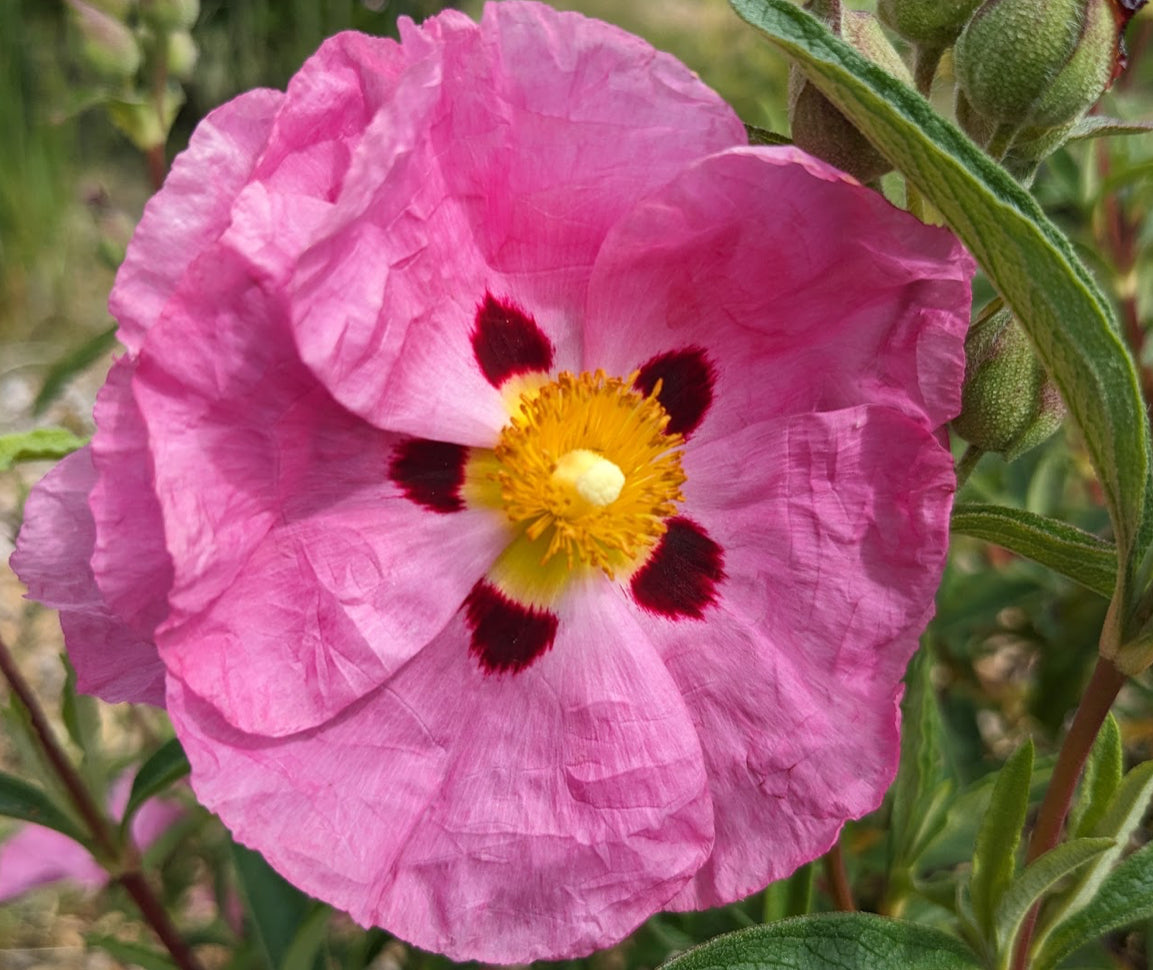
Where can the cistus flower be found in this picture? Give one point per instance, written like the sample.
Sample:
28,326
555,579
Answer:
524,495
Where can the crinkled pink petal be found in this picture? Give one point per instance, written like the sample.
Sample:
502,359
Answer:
52,557
130,561
276,494
190,211
810,291
490,817
835,531
506,152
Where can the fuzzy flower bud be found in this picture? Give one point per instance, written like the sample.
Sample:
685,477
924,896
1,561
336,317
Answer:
170,14
181,54
1038,63
107,46
927,23
1009,404
818,127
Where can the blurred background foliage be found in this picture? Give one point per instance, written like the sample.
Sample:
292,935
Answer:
1012,643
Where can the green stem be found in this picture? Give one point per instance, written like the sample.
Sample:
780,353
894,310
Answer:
119,860
968,462
1001,141
1099,695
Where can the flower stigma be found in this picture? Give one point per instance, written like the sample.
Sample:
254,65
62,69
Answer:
587,470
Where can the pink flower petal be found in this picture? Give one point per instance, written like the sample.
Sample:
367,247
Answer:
190,211
53,550
835,529
505,154
819,293
535,815
130,561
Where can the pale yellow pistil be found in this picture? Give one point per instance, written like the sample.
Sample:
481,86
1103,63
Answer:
592,480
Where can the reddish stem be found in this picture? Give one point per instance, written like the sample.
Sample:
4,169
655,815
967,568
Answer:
120,860
838,877
1099,695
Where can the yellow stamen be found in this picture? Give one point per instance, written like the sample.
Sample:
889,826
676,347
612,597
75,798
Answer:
586,470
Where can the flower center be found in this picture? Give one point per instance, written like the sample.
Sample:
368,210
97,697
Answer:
587,468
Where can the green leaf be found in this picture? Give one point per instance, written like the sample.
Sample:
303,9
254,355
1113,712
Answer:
304,953
71,364
18,799
920,798
1121,818
1099,780
276,907
80,714
39,445
995,855
830,941
167,765
1126,896
762,136
1028,888
1072,552
1027,258
1099,126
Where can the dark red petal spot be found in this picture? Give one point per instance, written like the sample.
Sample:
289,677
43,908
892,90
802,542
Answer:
680,579
687,378
506,636
507,341
430,473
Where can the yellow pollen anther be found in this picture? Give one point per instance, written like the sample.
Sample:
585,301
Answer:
586,469
593,477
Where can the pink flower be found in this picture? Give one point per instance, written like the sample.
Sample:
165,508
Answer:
527,494
36,856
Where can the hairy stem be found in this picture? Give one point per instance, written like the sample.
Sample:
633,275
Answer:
1103,688
925,64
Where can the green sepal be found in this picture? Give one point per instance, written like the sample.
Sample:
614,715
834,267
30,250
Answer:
995,854
1031,263
830,941
763,136
1072,552
1124,897
43,444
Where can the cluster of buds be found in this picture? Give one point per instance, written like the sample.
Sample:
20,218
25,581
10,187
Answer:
125,46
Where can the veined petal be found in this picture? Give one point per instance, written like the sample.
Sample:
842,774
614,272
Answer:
835,529
535,816
191,211
506,152
815,294
52,556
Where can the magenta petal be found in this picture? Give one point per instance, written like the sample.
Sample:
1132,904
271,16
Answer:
36,856
835,530
190,211
537,816
809,290
506,152
53,551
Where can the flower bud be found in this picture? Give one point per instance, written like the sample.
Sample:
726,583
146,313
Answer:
819,128
1009,404
170,14
1037,63
927,23
107,46
181,54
